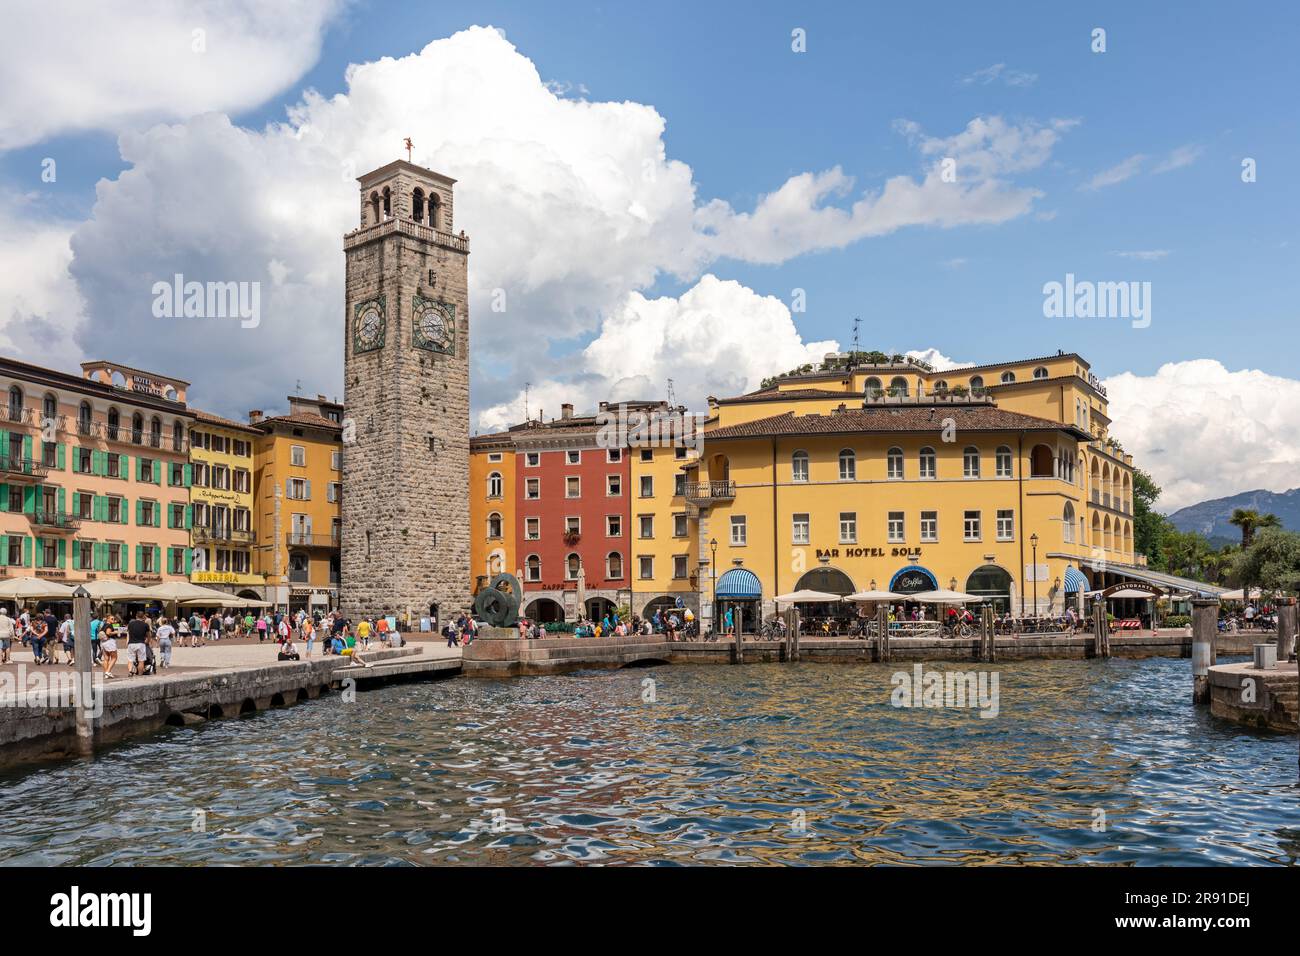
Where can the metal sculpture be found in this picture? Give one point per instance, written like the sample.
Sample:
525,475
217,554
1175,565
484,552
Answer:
500,608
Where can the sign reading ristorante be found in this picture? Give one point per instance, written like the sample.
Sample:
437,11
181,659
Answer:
869,552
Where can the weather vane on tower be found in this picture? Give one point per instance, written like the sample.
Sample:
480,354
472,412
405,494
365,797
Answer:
409,144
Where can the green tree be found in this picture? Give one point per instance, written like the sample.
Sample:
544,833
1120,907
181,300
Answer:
1272,561
1185,553
1249,521
1149,527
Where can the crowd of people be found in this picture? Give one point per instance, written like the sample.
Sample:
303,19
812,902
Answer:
677,624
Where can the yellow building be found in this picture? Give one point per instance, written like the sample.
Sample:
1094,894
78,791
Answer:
297,488
492,508
997,480
220,514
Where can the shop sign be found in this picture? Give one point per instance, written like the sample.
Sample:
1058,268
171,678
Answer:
855,552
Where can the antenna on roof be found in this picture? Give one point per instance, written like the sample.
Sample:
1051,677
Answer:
297,389
526,416
857,321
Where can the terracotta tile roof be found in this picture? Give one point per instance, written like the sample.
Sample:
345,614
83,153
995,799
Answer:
892,418
211,419
303,418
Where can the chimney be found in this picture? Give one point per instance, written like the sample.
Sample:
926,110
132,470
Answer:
254,416
566,410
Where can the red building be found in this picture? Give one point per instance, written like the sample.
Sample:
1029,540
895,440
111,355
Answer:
572,518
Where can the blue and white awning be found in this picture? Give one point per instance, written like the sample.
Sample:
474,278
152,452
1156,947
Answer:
1075,580
739,584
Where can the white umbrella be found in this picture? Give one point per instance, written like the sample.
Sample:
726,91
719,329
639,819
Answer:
184,591
944,596
1239,595
17,589
799,597
868,596
106,589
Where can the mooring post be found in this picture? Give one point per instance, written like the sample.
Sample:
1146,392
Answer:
737,651
1286,628
84,697
1205,626
882,629
1100,630
987,636
796,623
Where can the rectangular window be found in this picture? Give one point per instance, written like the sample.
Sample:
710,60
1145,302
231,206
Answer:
927,463
647,486
646,566
848,527
572,487
848,466
647,454
533,488
895,527
532,459
971,526
298,455
298,489
49,454
646,526
83,557
83,502
145,470
240,562
242,448
613,454
532,529
679,567
199,474
929,526
494,456
115,510
738,530
84,461
336,460
970,463
680,453
243,480
799,529
1006,524
679,526
679,486
613,485
15,550
49,552
113,465
573,457
572,525
334,491
613,526
146,559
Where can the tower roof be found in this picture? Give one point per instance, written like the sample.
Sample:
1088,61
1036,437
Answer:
399,165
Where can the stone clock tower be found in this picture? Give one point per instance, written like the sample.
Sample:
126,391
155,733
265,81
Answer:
405,546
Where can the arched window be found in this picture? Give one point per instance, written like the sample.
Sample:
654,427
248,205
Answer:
1003,462
417,204
898,385
494,525
873,387
927,462
799,466
1067,522
374,208
533,568
1008,378
572,564
155,432
137,428
15,404
970,462
614,565
388,203
85,418
114,423
848,465
894,463
178,436
435,211
494,485
941,385
976,381
49,408
1040,372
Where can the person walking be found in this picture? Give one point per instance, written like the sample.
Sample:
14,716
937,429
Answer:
68,640
183,631
108,645
8,631
96,625
308,629
137,644
36,632
363,633
166,633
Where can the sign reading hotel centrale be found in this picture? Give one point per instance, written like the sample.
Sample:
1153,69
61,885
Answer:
869,552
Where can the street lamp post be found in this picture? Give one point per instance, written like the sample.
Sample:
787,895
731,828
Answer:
1033,543
713,567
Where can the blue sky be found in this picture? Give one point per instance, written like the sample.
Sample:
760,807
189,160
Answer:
168,161
745,112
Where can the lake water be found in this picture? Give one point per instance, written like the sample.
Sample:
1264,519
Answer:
1096,762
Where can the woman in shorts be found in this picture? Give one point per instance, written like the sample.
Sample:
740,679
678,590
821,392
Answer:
108,644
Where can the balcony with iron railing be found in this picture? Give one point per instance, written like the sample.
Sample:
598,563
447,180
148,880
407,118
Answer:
54,521
15,468
223,535
298,539
707,492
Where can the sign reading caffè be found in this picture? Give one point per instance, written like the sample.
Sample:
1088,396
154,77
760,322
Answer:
869,552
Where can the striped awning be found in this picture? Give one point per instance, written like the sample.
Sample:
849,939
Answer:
739,584
1075,581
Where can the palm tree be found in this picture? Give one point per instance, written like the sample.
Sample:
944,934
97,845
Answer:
1249,521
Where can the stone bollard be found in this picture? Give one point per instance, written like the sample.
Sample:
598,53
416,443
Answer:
882,630
737,646
794,635
1205,626
1286,628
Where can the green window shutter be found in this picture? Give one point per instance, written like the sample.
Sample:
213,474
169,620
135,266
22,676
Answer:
189,560
63,501
189,517
63,448
4,444
122,554
4,497
189,475
157,515
124,513
4,550
95,555
139,551
157,473
157,560
76,502
171,518
29,500
39,553
76,466
98,505
63,552
27,552
27,447
139,510
96,462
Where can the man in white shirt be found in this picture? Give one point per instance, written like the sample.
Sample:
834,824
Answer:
165,633
7,634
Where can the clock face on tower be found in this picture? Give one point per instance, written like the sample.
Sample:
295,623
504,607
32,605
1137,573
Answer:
368,325
434,325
